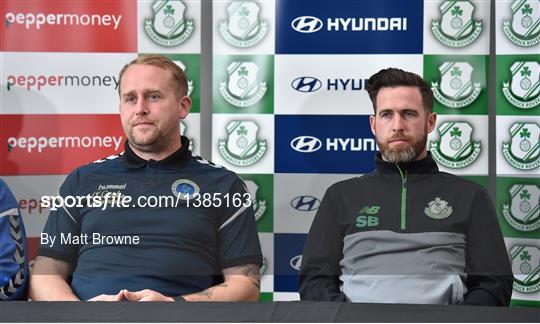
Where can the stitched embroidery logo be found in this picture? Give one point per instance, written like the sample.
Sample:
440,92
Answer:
367,217
438,209
184,188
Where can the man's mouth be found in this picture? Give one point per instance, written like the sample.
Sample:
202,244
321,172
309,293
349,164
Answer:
142,123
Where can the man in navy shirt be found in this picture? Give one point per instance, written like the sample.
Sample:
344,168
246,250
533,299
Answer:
13,259
199,245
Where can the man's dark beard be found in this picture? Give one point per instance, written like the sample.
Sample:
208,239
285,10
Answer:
405,153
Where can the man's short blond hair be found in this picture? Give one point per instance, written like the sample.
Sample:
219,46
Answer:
178,75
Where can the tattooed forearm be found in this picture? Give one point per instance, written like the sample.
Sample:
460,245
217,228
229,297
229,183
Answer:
208,292
252,271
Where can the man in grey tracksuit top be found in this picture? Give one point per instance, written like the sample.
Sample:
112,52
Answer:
406,232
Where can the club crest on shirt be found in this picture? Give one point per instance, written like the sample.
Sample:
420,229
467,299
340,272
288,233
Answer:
184,188
438,209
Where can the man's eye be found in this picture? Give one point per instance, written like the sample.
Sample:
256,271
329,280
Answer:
130,99
153,97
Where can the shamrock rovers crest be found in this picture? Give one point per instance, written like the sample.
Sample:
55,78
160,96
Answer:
525,27
457,27
243,28
259,206
524,88
168,27
456,89
243,87
526,268
523,152
189,82
455,148
438,209
242,148
523,213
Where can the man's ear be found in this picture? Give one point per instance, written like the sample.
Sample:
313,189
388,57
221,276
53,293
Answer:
432,120
372,123
184,104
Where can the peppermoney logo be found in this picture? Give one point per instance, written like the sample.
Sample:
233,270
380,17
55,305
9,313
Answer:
242,88
456,89
523,212
242,148
259,206
455,149
524,88
526,268
311,24
39,20
523,152
167,27
39,82
456,27
243,28
40,144
524,30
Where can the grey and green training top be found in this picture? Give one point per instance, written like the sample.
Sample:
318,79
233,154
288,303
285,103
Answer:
406,233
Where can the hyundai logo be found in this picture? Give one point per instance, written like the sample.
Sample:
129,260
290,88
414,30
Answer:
296,262
306,24
305,203
306,84
306,144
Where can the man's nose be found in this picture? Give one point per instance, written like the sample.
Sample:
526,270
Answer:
398,123
142,108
